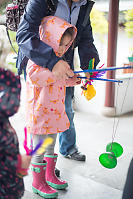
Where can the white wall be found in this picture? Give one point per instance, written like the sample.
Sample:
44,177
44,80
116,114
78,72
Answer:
97,103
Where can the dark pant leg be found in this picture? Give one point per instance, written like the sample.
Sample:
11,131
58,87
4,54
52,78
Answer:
128,188
67,139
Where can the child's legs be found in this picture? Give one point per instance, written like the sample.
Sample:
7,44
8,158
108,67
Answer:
49,149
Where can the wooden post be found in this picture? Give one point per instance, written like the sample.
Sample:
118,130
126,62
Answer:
112,48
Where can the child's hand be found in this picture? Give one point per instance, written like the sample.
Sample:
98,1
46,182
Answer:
25,161
77,80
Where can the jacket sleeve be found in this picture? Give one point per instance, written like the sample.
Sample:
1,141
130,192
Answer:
86,47
39,76
28,36
8,153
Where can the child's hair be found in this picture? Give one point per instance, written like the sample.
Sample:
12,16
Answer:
69,31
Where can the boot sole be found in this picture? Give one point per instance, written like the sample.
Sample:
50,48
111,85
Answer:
83,159
57,186
45,195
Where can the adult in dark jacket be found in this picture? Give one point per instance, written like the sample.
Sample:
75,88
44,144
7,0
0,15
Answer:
77,13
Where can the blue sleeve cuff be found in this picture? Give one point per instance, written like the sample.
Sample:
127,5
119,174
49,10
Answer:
53,60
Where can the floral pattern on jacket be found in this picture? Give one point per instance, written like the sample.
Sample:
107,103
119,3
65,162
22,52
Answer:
45,109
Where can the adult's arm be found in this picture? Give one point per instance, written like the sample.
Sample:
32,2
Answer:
39,76
28,36
86,47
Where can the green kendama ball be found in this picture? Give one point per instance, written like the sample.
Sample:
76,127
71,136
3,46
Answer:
108,160
114,148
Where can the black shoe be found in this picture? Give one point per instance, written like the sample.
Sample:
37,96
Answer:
57,172
77,156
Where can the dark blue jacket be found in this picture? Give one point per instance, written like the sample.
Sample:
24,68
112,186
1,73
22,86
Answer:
30,46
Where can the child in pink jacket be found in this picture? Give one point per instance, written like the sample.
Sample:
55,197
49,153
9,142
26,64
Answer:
46,114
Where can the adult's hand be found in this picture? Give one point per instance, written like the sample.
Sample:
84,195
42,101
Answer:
62,71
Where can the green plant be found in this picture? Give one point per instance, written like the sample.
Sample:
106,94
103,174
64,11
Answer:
129,25
13,40
99,23
12,66
3,6
129,22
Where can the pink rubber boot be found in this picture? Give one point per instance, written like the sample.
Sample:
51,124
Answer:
51,178
39,184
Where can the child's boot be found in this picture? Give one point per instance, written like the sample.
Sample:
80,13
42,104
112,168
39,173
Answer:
51,178
39,184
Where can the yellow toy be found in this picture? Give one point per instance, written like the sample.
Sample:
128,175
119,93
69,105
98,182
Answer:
90,92
88,89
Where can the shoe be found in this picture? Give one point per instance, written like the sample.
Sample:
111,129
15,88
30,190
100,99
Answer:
57,172
76,156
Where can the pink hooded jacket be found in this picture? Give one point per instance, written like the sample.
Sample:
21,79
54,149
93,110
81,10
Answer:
45,111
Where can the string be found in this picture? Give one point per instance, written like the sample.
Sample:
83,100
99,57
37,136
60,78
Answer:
115,127
31,142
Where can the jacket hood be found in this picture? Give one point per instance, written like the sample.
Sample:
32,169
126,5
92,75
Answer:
52,29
